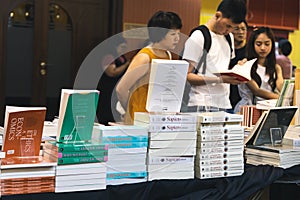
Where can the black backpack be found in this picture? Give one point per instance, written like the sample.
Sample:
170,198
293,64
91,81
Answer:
206,48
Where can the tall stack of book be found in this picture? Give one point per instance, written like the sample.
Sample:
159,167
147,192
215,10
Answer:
220,145
126,153
81,162
27,175
172,144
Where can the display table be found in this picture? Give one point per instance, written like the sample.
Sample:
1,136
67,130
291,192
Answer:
255,178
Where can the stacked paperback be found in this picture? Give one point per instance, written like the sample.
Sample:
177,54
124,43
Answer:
80,161
267,143
172,144
127,150
220,145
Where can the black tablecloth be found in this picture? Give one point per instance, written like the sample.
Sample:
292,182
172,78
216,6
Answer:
255,178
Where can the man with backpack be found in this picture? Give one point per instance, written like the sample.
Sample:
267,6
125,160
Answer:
209,50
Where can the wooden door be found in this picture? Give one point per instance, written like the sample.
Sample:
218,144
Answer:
43,43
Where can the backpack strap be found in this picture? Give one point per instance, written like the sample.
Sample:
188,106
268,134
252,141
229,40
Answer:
206,47
228,38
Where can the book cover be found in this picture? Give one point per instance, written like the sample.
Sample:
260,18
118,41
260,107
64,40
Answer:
77,113
166,85
118,175
114,131
164,117
241,72
124,139
292,136
23,129
286,94
155,160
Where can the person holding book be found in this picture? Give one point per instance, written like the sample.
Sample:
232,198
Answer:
114,65
284,50
164,30
267,80
207,89
240,41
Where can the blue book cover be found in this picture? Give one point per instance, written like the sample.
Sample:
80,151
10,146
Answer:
124,139
119,175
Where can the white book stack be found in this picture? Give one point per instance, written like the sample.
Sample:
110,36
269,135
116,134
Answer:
126,153
172,144
220,145
80,177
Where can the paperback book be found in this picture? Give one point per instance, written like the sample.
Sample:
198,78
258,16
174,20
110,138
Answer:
77,113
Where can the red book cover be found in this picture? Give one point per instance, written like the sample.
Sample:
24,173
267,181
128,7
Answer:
23,128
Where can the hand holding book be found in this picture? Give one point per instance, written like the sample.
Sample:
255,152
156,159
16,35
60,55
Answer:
241,71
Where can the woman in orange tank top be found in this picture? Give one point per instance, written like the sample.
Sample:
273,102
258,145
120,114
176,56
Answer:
164,29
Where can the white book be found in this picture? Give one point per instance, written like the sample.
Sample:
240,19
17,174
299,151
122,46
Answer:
226,137
292,136
221,161
166,85
114,131
80,188
172,152
211,168
189,135
81,182
167,127
165,117
217,117
121,181
137,161
78,177
241,72
126,151
178,167
218,174
84,168
204,150
221,143
228,155
221,130
130,167
171,175
152,160
27,172
154,144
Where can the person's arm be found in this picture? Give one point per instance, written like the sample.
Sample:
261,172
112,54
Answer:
279,81
113,71
138,68
195,79
257,91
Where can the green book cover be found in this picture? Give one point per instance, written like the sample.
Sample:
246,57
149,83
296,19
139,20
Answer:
76,115
68,154
87,159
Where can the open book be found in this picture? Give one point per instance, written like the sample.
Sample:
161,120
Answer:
241,72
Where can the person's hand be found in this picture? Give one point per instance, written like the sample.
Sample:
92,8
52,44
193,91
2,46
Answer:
241,62
231,80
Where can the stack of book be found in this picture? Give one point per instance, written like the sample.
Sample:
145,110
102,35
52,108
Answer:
81,162
172,144
27,175
220,145
268,143
250,115
126,153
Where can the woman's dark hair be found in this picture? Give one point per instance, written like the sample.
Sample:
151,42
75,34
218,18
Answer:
233,9
270,61
161,23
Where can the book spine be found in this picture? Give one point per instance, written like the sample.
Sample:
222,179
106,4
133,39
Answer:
220,155
222,130
172,127
119,175
124,139
63,161
217,174
169,159
128,145
219,162
221,143
221,149
220,137
82,154
212,168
